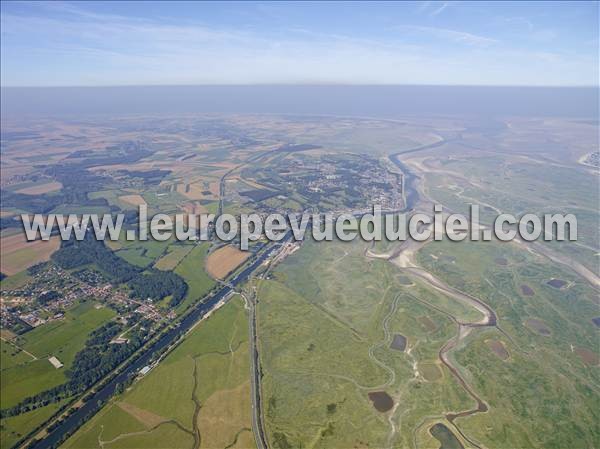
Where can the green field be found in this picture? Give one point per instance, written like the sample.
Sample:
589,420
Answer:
12,355
22,376
323,348
62,339
191,269
163,202
559,409
327,314
172,257
478,183
112,196
15,281
140,253
16,427
211,366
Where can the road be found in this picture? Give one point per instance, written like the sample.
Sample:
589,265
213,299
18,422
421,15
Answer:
12,343
257,413
94,403
253,158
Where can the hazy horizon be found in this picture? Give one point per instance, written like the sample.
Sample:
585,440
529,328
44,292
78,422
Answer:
343,100
287,224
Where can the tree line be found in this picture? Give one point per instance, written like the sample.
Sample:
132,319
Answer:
151,283
92,363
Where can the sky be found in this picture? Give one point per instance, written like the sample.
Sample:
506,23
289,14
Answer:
190,43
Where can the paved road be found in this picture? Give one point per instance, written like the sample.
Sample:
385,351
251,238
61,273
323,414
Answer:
257,421
258,426
91,406
253,158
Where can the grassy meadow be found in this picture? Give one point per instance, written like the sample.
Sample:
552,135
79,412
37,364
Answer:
60,338
326,321
201,388
24,375
558,409
191,269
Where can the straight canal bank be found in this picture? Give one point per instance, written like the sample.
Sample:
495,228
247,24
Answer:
95,402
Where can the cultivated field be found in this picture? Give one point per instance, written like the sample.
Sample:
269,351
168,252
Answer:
37,189
224,260
174,255
201,390
134,200
19,254
334,372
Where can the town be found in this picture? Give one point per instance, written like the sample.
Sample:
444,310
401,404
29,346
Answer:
54,290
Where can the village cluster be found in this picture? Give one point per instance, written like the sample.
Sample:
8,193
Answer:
53,290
